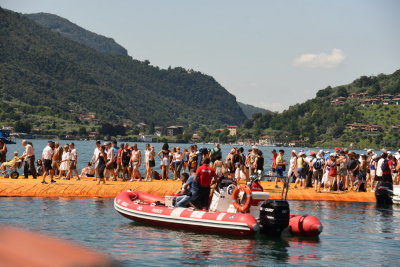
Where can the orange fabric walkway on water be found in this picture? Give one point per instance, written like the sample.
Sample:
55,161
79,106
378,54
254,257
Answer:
89,188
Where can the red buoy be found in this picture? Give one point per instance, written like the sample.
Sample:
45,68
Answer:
305,225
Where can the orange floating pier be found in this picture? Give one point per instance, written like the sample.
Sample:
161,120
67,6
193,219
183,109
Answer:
86,187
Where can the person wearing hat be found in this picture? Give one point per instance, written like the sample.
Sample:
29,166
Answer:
318,164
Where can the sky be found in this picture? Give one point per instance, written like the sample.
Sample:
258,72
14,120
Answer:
270,54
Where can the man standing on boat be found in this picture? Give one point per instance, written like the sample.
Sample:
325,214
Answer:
205,177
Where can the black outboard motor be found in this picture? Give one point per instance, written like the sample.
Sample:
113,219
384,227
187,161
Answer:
274,217
384,193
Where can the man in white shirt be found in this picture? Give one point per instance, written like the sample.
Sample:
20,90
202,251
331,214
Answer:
73,162
47,156
29,157
95,159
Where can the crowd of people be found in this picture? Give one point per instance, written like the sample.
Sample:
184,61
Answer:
325,171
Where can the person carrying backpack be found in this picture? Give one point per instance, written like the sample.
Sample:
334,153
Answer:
215,153
318,166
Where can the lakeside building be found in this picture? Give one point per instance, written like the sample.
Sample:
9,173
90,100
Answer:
174,130
233,129
365,127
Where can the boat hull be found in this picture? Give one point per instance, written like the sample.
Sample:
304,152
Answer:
236,224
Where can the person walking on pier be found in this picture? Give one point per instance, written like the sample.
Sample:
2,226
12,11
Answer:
47,156
29,157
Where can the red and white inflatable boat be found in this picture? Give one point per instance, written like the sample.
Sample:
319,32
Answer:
226,215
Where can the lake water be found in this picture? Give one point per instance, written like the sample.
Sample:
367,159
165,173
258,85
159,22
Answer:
355,234
85,151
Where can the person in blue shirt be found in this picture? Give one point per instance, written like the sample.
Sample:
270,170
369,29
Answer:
189,187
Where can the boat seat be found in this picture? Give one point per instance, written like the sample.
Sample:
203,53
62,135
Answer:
259,195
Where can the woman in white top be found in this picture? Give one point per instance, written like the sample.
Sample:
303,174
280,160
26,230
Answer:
65,161
177,160
293,166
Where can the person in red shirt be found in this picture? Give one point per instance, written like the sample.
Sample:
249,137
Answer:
204,179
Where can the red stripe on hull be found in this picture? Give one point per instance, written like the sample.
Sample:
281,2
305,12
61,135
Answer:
197,228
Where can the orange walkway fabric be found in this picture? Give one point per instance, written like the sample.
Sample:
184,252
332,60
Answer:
88,188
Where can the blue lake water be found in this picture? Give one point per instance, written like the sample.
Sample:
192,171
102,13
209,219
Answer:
355,234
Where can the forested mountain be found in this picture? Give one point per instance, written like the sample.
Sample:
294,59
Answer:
372,103
249,110
42,72
78,34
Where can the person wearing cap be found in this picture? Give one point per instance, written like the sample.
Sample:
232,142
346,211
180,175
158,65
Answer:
293,166
280,166
318,164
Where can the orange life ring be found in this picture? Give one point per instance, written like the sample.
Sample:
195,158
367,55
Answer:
242,207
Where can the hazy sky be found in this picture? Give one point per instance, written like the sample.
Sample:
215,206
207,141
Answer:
270,54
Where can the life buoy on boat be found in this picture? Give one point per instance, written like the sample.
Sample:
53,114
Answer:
242,207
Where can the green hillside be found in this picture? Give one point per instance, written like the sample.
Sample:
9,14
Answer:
45,75
77,34
325,120
249,110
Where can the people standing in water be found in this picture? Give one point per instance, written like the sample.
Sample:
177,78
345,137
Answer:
164,156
